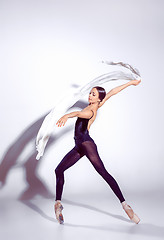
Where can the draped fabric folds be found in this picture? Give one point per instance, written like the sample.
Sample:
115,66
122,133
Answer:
49,123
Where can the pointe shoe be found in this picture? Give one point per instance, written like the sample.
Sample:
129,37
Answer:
58,212
133,216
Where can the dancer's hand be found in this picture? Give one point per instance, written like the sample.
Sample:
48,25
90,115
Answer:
61,122
135,82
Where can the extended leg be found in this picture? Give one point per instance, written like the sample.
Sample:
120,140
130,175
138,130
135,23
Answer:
91,152
90,149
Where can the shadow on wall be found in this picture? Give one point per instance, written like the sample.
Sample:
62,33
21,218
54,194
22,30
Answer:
36,186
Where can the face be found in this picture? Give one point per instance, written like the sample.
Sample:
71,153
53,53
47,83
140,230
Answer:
93,96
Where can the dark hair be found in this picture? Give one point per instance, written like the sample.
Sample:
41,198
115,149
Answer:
102,92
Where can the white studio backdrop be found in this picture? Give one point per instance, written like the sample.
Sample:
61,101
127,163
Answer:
49,47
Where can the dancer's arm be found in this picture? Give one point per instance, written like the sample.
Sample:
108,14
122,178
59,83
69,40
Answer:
82,114
118,89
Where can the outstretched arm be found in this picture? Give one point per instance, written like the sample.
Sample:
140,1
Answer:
81,114
118,89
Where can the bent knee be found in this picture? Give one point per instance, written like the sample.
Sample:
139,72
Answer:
58,171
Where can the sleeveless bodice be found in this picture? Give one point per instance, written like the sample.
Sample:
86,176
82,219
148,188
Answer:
81,127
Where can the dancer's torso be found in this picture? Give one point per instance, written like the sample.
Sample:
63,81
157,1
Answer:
81,129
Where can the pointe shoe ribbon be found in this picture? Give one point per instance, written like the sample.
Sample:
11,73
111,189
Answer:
133,216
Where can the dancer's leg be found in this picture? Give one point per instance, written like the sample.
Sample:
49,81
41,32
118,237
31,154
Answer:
90,150
69,160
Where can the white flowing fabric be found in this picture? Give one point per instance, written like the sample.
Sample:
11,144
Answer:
70,99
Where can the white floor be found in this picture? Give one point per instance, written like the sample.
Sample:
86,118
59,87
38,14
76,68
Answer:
86,217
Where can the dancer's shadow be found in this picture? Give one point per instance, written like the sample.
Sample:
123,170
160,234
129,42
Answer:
35,208
95,209
38,210
141,229
35,184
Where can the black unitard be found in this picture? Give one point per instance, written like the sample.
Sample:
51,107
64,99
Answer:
84,145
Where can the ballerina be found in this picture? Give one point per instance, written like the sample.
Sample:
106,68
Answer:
85,146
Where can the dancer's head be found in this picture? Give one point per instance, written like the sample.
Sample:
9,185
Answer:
97,94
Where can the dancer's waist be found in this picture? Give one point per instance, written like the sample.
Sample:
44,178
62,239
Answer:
82,137
81,134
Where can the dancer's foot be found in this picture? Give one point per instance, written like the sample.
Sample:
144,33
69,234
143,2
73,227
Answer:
58,211
129,211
